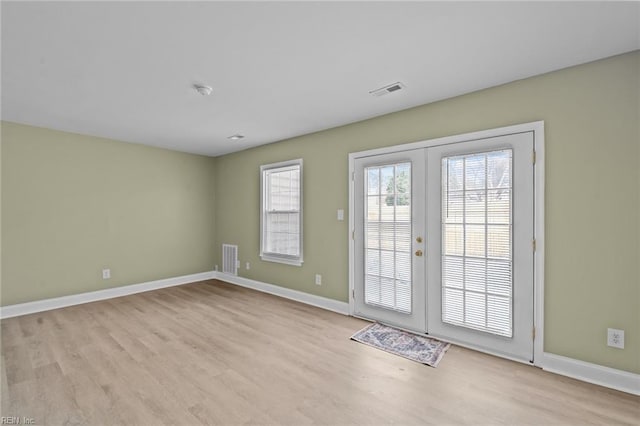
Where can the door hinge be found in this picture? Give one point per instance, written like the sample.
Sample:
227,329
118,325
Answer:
353,175
534,157
353,234
533,333
353,293
534,244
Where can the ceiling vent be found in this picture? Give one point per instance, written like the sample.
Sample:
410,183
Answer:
387,89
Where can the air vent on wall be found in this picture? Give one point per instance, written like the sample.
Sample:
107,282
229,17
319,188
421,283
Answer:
230,259
387,89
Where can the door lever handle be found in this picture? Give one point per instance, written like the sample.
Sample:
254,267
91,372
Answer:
418,253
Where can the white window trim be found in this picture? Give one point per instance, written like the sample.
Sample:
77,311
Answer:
275,257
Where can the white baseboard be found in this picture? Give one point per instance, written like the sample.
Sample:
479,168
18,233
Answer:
287,293
93,296
592,373
584,371
587,372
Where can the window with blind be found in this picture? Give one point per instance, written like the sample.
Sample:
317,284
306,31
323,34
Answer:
477,229
387,281
281,218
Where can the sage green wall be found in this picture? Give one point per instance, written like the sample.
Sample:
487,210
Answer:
73,205
592,278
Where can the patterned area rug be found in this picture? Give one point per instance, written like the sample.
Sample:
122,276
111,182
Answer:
412,346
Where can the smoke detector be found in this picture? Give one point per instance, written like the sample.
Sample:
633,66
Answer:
203,90
387,89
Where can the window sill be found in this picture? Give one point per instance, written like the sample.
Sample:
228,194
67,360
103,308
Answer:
283,260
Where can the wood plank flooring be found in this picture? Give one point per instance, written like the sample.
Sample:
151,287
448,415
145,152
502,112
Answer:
214,353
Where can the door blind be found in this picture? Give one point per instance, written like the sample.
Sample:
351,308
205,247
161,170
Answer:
477,229
387,234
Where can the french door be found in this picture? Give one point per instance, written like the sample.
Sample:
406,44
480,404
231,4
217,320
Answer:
389,282
443,242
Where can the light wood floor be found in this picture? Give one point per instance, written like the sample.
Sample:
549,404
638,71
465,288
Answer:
214,353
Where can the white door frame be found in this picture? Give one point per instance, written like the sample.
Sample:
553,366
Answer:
537,127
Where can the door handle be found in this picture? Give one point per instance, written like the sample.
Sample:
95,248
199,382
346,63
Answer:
419,239
418,253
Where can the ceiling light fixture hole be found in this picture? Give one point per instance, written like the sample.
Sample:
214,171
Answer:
202,89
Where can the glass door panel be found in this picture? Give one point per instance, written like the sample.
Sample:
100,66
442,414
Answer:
476,238
388,237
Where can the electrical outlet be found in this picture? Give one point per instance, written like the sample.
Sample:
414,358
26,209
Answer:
340,214
248,265
615,338
216,269
318,279
106,274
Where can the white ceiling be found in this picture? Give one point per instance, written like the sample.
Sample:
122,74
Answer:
125,70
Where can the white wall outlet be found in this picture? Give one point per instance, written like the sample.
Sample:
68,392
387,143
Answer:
318,279
340,214
615,338
248,265
106,274
216,269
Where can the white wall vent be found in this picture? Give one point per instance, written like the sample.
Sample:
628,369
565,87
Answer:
230,259
387,89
